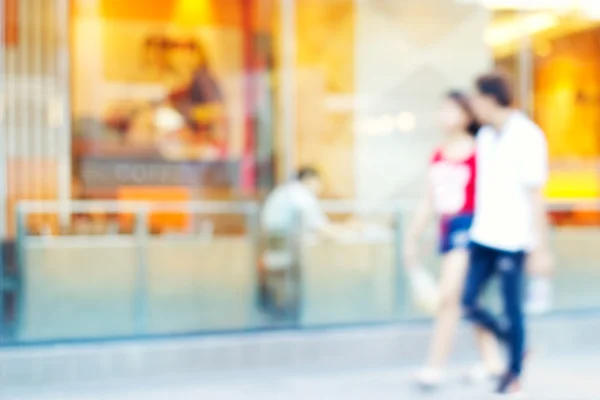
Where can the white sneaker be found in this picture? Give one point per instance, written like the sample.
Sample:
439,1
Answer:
480,373
429,378
515,395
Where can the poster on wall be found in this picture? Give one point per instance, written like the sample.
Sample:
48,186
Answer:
157,104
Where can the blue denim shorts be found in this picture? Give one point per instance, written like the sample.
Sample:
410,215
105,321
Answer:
454,232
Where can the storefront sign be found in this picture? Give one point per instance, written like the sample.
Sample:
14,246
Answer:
102,173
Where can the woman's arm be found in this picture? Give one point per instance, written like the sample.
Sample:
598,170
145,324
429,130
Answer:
417,226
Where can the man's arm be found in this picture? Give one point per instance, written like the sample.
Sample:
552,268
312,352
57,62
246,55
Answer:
535,174
540,219
316,220
541,263
330,231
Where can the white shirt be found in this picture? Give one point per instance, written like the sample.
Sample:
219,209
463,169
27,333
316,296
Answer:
509,164
289,204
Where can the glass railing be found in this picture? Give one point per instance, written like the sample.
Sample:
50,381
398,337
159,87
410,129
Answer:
98,270
357,276
576,248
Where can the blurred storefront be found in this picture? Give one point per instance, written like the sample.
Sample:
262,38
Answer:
171,94
223,98
554,50
123,100
557,52
116,100
178,100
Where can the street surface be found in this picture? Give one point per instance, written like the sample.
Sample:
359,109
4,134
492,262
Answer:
575,377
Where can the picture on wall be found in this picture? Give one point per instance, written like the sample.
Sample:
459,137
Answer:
148,94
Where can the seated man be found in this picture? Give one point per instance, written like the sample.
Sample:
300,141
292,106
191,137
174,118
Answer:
294,206
291,210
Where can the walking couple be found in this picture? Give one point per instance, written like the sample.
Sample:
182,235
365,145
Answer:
485,184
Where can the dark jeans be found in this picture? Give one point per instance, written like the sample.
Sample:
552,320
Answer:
282,282
485,262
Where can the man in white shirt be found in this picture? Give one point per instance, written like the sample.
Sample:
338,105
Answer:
291,210
510,220
295,203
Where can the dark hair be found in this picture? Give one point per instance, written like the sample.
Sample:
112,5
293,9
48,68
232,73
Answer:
306,173
496,85
462,100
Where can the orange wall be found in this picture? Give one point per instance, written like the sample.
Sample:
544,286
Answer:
567,107
194,12
567,95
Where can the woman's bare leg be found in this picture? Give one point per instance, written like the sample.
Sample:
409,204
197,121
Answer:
490,351
453,273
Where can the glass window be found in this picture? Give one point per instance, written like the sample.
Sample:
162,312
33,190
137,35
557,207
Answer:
172,93
171,101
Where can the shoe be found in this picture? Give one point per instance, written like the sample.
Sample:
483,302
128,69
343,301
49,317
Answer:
480,373
429,378
510,387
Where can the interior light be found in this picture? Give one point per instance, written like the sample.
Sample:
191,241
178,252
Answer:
505,33
591,8
190,11
524,4
406,122
386,124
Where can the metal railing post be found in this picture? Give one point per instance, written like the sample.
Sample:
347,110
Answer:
141,277
400,281
254,236
21,261
296,246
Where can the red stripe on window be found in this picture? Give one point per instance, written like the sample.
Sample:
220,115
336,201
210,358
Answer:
11,22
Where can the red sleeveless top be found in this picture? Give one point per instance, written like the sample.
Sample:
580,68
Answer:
453,184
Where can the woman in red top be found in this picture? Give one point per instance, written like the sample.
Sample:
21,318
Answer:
451,197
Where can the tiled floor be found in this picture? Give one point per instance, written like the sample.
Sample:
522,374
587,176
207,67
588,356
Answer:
565,378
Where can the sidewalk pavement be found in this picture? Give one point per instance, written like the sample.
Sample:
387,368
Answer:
575,377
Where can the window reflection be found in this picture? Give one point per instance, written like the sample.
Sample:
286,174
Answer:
564,76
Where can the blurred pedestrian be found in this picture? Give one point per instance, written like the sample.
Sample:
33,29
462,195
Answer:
510,220
450,196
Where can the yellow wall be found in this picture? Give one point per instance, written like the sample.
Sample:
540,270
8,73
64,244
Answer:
325,70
